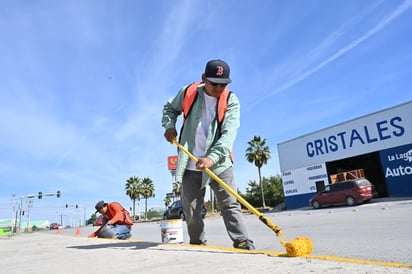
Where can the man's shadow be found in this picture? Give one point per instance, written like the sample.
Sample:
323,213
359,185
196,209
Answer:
118,244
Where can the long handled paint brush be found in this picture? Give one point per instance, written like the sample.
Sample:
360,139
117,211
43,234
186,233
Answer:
297,247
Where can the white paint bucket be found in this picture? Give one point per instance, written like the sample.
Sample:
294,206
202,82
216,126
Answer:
171,231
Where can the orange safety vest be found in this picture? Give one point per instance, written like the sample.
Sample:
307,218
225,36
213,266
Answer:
191,95
221,106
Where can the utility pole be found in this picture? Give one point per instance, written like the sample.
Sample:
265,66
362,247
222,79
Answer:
29,205
13,222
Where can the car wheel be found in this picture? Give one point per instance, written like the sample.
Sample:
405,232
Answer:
315,204
350,201
182,216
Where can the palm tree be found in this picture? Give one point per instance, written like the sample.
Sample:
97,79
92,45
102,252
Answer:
147,192
167,201
259,154
133,189
177,189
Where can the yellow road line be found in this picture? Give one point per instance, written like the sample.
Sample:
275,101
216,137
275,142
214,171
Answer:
359,261
283,254
317,257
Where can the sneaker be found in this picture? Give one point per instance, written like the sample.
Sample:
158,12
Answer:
127,237
204,242
246,244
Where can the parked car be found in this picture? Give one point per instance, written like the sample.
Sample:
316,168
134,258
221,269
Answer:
54,226
349,192
175,211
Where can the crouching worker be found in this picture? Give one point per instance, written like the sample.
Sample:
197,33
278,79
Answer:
117,222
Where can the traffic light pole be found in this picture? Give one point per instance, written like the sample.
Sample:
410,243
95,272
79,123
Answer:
77,206
30,204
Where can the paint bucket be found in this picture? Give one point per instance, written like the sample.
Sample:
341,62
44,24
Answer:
171,231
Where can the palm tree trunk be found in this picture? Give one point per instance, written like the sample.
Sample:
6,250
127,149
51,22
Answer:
138,207
261,188
145,209
134,210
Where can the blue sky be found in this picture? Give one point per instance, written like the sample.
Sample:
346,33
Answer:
83,83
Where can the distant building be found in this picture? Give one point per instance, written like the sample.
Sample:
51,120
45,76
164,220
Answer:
7,224
378,144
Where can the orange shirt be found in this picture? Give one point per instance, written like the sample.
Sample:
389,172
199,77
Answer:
116,214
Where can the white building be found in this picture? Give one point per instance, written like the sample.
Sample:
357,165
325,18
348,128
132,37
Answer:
379,143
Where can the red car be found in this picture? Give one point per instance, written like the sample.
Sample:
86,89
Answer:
348,192
54,226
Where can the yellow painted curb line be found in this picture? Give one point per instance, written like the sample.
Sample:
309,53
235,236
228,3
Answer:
277,254
284,254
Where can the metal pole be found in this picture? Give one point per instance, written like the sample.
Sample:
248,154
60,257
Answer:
29,206
20,212
13,211
28,220
15,224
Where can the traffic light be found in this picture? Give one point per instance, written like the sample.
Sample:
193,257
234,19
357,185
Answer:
58,194
40,195
67,205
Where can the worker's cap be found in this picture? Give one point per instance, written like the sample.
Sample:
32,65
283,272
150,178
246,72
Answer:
99,206
218,71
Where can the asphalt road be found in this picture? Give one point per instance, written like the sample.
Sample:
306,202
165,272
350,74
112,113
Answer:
377,231
371,238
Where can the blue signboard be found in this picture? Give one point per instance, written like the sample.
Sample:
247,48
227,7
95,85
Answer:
397,166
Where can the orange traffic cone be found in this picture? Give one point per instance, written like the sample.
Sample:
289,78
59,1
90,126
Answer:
78,231
58,231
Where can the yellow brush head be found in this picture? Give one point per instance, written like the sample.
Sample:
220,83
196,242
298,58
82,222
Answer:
300,246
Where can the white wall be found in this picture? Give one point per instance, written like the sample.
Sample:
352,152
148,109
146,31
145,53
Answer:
303,180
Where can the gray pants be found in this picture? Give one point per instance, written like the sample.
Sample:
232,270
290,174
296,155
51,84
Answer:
114,231
193,200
